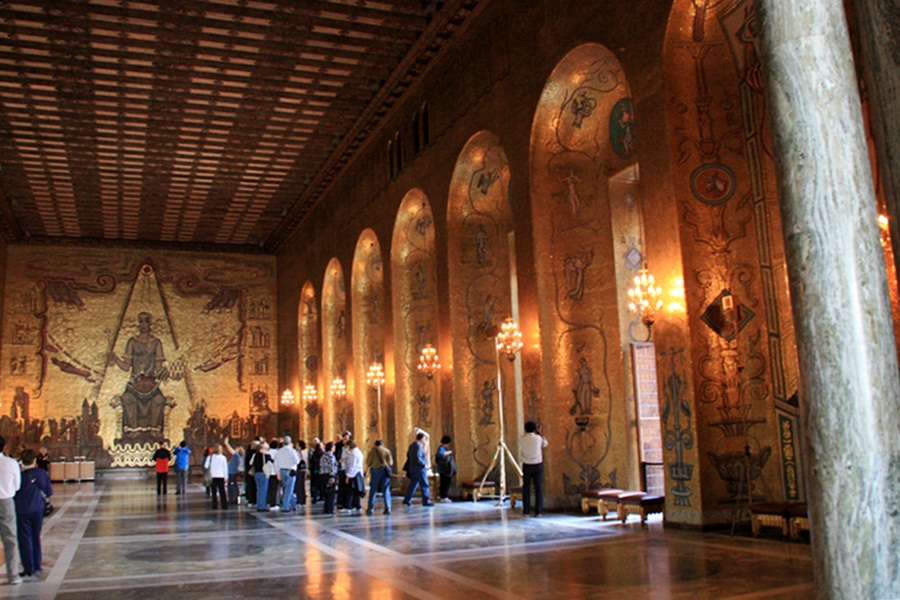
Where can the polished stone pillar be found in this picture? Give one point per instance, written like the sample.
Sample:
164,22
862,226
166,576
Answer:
848,362
877,21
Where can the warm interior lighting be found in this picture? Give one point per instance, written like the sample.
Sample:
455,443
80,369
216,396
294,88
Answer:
309,393
676,296
646,299
375,375
429,362
338,389
287,398
883,222
509,339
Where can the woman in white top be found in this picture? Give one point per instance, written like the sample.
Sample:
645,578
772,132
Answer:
217,465
353,469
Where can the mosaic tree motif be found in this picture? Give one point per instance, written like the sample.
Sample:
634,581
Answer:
367,303
337,409
735,280
583,131
308,353
414,296
479,220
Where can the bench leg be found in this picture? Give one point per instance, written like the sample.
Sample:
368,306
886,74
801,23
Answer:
585,506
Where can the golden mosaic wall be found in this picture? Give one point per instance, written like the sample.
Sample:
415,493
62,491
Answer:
744,355
106,353
368,312
479,220
310,410
415,299
581,134
338,405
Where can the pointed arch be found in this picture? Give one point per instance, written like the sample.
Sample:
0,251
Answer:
308,353
338,410
368,318
479,220
414,299
582,130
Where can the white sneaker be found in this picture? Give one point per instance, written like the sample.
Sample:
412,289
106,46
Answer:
275,509
446,500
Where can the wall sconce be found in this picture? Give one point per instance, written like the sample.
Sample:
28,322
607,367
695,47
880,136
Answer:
646,299
429,362
509,339
338,389
287,398
309,394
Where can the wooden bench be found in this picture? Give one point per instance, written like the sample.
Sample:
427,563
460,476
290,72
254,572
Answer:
772,514
470,489
798,520
639,503
604,500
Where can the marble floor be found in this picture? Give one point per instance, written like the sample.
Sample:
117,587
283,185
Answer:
117,539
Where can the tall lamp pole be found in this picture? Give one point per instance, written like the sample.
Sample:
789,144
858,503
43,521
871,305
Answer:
375,379
509,343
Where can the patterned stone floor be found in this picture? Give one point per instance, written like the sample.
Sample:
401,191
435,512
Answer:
117,539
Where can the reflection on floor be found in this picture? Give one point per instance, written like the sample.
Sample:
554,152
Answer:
118,539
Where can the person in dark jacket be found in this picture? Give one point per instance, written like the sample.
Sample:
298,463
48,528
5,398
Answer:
417,470
162,456
30,502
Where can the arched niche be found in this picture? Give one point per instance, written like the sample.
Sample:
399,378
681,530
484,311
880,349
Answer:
414,300
368,318
582,132
479,220
309,355
745,371
338,409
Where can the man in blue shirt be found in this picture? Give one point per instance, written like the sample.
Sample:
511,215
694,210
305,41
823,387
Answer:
182,466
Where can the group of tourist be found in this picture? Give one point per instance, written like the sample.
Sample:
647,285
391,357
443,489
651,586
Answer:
275,472
24,495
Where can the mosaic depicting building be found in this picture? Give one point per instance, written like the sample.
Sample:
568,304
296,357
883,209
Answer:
207,208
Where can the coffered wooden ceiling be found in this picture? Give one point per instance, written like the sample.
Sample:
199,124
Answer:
213,123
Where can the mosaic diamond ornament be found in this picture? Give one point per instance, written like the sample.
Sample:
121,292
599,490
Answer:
726,315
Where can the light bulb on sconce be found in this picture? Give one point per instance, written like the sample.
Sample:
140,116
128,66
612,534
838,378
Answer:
338,389
309,394
375,375
646,299
429,362
287,398
509,339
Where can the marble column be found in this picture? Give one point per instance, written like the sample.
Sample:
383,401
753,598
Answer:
850,383
877,22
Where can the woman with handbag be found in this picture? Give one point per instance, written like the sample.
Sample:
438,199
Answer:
32,504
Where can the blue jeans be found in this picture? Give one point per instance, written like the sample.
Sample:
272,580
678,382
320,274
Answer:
262,486
416,480
288,500
379,480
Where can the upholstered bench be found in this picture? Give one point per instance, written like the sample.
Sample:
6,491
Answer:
603,499
771,514
798,520
639,503
470,489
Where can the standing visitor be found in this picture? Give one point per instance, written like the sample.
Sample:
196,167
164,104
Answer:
328,471
43,459
10,482
261,458
217,467
235,466
286,461
417,470
380,463
162,456
302,469
445,463
531,447
30,502
316,486
250,472
353,471
182,467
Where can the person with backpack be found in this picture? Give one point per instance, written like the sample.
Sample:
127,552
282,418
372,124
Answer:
445,463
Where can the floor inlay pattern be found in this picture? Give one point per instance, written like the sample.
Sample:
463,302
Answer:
118,539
